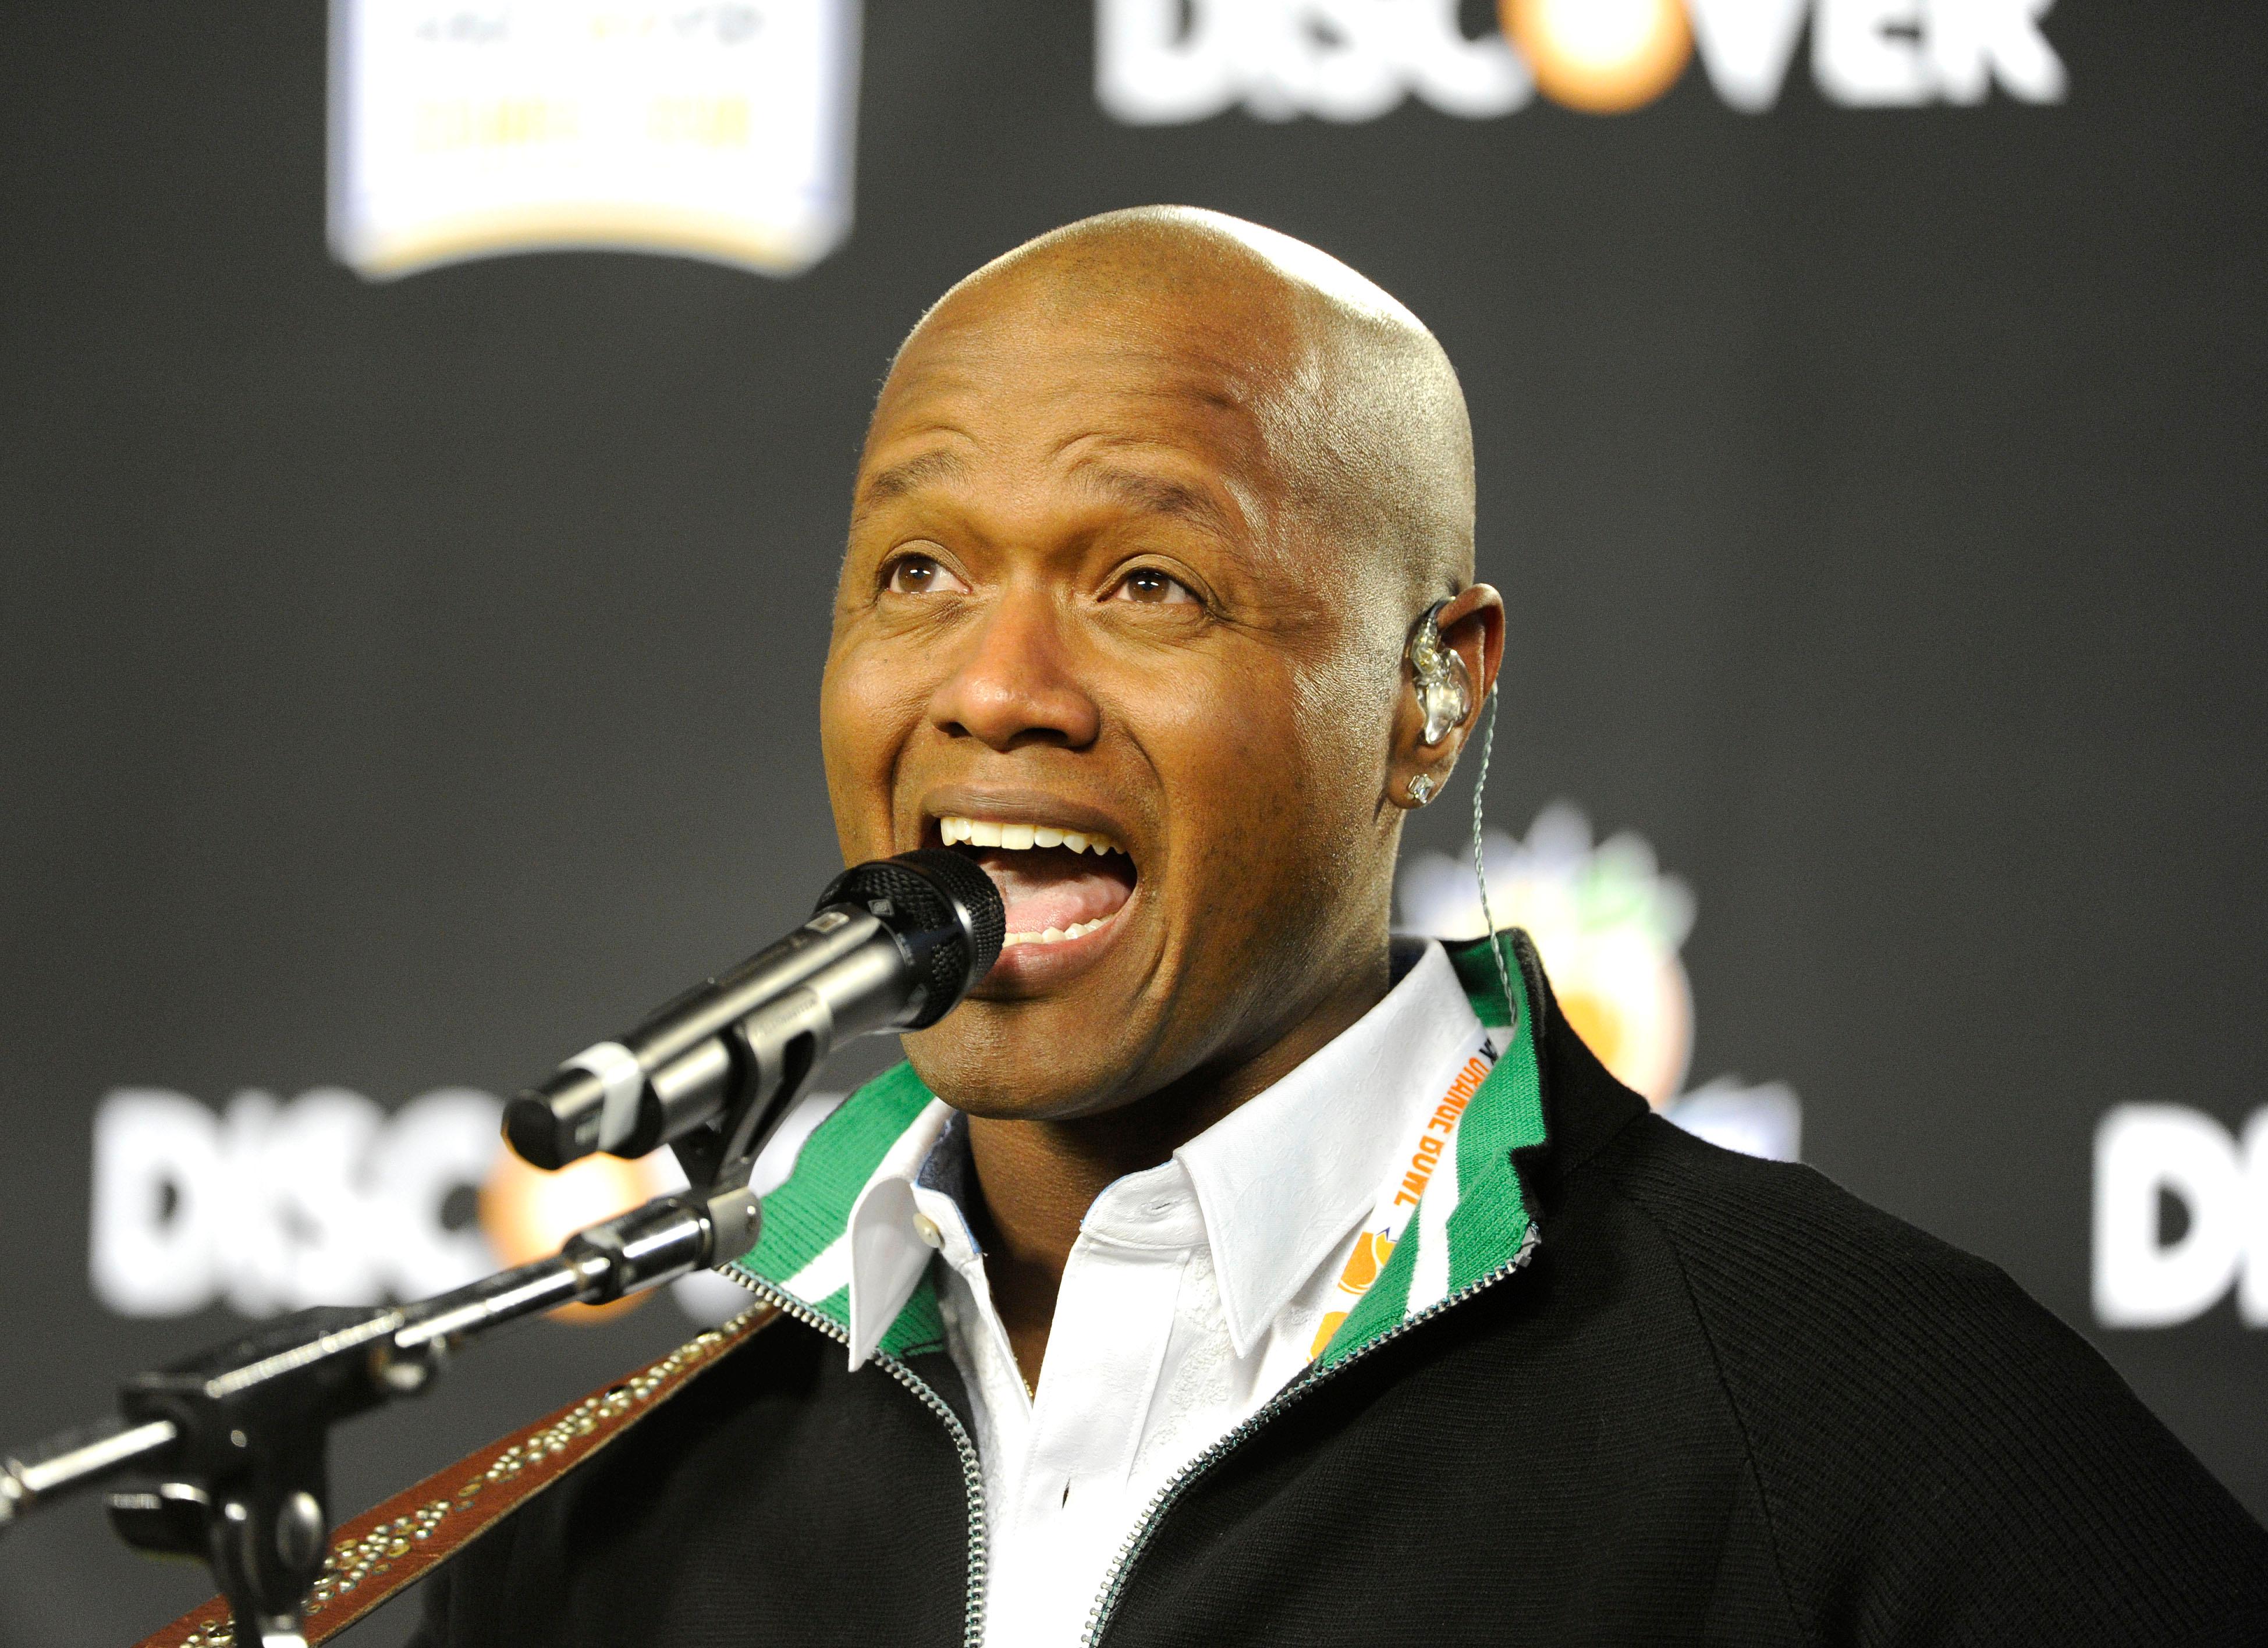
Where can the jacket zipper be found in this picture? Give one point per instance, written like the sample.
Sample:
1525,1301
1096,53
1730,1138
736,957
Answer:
972,1470
1114,1586
1099,1617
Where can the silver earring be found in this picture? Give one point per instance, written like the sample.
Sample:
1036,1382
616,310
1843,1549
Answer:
1421,788
1445,691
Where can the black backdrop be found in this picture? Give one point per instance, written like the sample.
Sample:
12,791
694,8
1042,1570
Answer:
403,683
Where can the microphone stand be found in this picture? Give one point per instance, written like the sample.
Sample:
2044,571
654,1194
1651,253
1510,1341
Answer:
239,1433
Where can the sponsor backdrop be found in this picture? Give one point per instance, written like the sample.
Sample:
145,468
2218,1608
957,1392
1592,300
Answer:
423,443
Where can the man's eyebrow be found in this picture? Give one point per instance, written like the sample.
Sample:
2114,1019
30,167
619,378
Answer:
1154,495
909,476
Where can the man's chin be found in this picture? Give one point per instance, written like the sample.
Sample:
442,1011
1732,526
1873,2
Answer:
1015,1060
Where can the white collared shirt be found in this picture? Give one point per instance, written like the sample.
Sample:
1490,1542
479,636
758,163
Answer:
1195,1291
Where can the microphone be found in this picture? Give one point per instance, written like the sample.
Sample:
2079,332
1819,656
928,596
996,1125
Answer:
893,945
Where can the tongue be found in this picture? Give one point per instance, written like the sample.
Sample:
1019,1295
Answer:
1053,887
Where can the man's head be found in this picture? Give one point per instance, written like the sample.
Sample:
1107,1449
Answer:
1146,512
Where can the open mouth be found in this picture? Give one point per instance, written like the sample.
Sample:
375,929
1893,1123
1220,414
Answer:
1059,884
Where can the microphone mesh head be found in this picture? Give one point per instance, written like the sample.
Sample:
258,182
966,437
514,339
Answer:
983,918
943,908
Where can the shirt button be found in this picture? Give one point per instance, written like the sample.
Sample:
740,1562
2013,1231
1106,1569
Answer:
925,1227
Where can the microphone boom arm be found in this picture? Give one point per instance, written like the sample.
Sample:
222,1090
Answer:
239,1432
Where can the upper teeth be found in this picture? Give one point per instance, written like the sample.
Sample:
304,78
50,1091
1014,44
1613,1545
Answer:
980,832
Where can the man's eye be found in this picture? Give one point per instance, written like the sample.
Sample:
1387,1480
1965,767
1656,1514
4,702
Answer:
922,575
1149,584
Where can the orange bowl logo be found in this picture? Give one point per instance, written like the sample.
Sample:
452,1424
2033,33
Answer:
1606,923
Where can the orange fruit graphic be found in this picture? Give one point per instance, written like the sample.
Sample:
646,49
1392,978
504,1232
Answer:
1369,1257
1602,57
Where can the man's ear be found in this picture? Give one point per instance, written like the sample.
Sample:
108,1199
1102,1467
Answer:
1471,626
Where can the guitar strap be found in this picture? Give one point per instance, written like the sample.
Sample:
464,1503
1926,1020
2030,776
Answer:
390,1548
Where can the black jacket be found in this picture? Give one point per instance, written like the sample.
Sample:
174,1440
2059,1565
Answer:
1716,1400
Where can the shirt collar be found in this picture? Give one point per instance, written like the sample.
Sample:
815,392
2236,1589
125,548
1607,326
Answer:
1278,1182
1283,1177
886,1251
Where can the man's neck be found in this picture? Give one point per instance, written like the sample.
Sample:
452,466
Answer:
1038,1179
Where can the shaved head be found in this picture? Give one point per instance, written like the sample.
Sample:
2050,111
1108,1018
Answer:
1357,400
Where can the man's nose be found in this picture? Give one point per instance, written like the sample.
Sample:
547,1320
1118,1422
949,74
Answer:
1016,684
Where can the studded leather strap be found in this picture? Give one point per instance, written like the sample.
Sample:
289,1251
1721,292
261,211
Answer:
390,1548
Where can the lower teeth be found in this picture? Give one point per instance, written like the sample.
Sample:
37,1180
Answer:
1054,934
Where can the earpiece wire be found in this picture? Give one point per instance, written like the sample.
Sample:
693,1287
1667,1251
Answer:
1480,864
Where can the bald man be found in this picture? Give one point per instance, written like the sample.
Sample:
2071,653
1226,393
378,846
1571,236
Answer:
1224,1271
